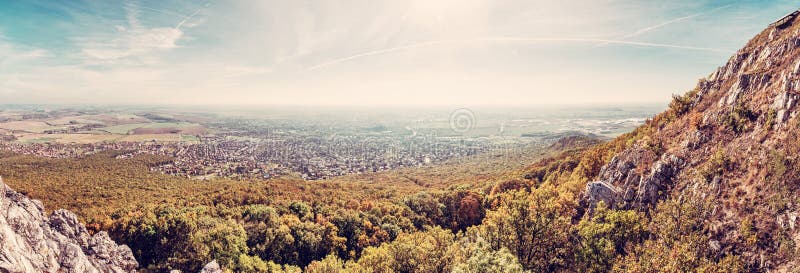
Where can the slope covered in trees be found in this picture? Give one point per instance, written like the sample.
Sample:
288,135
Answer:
710,185
178,223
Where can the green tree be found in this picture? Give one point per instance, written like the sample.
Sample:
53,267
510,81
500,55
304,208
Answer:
430,251
378,260
427,207
534,226
482,259
267,236
605,235
301,209
678,242
331,264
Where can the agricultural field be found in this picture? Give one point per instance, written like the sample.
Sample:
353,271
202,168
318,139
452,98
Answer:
153,128
76,127
119,118
90,138
67,138
152,137
71,120
30,126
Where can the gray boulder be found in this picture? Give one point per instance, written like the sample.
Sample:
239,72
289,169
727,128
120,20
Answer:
602,191
212,267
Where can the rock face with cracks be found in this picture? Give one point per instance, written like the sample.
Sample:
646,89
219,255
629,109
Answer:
33,242
733,143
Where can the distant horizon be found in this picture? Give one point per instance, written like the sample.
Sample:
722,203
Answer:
353,106
377,53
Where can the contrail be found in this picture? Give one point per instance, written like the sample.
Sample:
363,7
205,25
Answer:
171,13
509,39
375,52
610,41
187,18
647,29
165,12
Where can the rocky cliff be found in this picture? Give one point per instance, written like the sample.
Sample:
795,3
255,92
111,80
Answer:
734,141
32,242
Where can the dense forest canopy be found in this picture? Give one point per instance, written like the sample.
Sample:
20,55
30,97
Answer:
524,220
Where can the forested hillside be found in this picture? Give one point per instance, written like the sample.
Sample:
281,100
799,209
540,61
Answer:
709,185
178,223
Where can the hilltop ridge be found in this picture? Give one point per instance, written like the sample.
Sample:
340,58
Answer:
709,185
733,142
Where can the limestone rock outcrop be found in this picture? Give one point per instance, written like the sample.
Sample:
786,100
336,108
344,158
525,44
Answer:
32,242
635,190
731,145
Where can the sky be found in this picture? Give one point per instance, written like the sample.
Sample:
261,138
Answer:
367,52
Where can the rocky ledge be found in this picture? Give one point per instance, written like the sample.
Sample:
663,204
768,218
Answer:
32,242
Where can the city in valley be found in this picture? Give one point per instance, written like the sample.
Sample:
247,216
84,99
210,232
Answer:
399,136
204,144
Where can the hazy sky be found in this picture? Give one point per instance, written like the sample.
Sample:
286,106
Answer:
448,52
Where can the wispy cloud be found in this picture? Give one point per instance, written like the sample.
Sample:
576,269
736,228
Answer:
136,40
414,50
664,24
13,59
511,40
12,54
